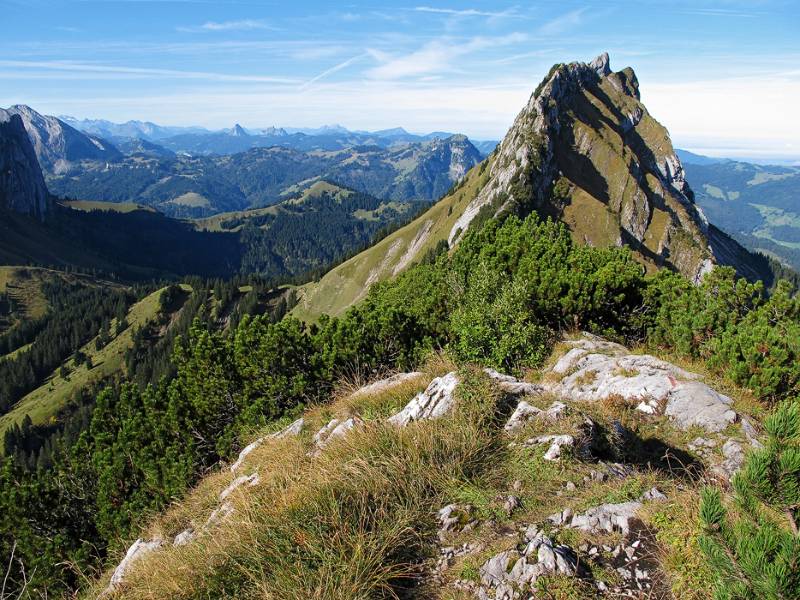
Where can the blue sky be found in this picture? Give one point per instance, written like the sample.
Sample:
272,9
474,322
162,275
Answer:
722,75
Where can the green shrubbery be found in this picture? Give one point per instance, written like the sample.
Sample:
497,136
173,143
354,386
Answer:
754,548
501,299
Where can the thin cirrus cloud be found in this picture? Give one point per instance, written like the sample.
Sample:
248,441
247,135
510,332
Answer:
563,23
47,67
217,26
333,69
434,57
465,12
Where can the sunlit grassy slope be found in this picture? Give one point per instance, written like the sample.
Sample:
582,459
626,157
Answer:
348,283
43,403
120,207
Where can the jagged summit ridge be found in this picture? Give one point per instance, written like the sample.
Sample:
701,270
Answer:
585,150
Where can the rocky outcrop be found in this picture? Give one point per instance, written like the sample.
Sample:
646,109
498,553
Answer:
594,369
512,385
138,550
335,429
251,480
525,412
437,400
507,574
58,145
386,384
22,186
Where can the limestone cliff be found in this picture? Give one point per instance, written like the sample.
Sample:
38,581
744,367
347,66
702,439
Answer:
58,146
22,187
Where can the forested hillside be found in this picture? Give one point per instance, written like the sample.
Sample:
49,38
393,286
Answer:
756,204
183,186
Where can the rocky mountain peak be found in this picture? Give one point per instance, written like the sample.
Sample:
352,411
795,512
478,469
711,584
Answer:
59,145
238,131
601,65
22,187
585,150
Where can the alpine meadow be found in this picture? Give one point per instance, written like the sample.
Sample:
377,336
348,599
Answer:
530,345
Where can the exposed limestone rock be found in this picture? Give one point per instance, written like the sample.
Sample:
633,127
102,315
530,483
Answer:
653,495
521,416
437,400
58,145
295,428
557,444
334,430
251,480
455,517
601,65
525,413
606,518
386,384
184,537
136,552
586,129
595,370
219,514
733,460
22,186
511,572
512,385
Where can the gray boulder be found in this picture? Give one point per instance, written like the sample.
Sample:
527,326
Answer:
594,369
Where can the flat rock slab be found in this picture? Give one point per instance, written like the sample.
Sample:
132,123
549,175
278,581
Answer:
594,369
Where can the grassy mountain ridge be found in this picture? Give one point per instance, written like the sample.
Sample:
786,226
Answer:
43,403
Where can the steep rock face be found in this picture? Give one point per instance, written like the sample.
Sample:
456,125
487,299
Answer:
585,150
22,187
58,145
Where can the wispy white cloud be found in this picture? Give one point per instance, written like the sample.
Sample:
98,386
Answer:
435,56
465,12
137,72
241,25
720,12
333,69
563,22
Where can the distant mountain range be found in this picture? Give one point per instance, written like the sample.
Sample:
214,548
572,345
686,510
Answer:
200,186
198,140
